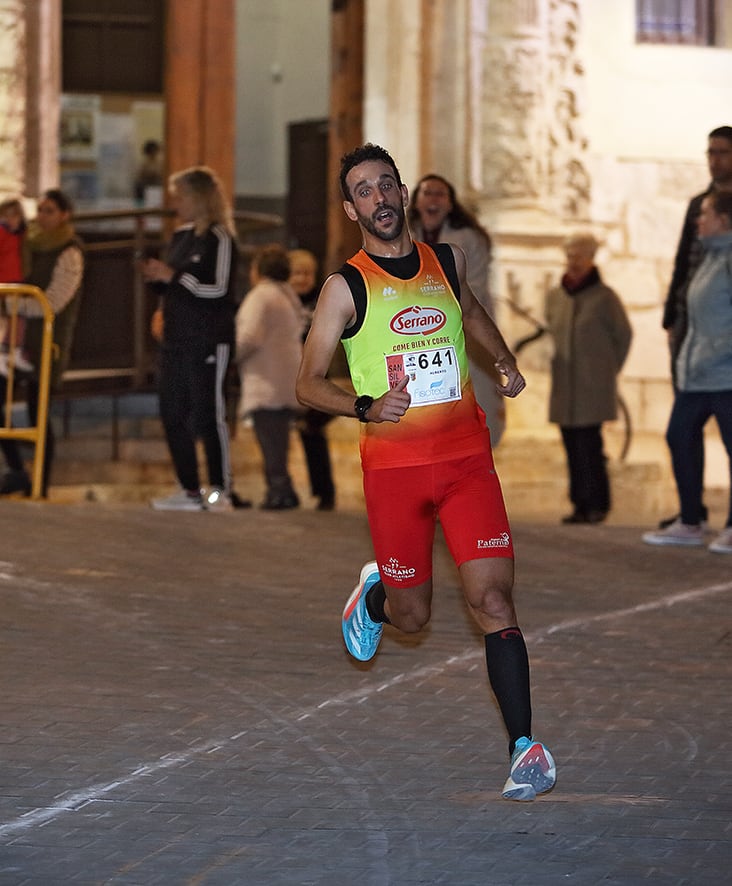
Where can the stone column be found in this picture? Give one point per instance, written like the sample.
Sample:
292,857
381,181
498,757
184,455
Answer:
529,162
42,63
200,83
445,119
533,148
12,96
30,84
346,120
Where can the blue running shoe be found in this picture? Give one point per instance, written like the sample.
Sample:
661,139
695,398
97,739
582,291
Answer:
532,771
362,635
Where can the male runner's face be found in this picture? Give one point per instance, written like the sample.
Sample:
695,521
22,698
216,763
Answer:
719,157
377,199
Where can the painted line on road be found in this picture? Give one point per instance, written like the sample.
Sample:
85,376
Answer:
76,801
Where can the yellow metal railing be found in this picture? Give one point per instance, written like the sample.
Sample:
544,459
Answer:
9,294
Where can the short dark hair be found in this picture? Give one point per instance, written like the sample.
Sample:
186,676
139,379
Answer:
361,155
60,198
722,132
273,261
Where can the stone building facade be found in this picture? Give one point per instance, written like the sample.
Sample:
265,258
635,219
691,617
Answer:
546,114
548,117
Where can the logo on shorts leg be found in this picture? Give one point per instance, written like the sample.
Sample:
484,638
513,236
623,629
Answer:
391,569
501,541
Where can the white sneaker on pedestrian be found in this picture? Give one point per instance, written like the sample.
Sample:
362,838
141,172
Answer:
218,500
722,544
21,361
677,533
182,500
20,364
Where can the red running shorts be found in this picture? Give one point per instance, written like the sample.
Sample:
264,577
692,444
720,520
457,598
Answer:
404,504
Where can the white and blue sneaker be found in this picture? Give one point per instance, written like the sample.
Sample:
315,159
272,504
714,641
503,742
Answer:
362,635
532,771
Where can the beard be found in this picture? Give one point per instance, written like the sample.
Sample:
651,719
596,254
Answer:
370,224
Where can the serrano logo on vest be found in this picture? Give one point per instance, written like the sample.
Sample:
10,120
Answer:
418,321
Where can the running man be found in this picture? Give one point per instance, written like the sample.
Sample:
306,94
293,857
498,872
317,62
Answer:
400,308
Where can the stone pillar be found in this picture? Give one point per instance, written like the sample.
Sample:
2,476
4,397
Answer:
444,120
30,83
43,88
200,84
346,121
12,96
529,163
533,149
393,111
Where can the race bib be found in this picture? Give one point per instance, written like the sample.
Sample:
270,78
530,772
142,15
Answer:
434,375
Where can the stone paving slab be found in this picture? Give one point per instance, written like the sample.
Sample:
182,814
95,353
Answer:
177,708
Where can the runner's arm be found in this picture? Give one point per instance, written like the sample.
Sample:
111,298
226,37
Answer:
486,333
334,312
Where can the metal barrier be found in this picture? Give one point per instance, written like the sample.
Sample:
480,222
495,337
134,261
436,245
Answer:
112,330
113,352
9,294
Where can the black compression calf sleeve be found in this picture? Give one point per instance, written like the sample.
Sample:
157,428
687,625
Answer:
508,671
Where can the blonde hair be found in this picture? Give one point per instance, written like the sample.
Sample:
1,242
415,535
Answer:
205,187
303,255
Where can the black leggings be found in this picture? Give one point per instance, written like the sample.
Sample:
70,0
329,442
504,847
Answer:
193,407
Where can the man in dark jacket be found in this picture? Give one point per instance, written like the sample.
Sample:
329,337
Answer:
689,252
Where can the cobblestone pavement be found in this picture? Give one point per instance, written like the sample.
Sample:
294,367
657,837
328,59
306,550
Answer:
178,708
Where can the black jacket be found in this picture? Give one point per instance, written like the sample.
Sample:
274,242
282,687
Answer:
688,257
199,302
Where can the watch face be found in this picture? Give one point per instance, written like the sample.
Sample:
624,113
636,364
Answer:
362,406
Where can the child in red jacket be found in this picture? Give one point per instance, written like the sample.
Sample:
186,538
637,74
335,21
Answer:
12,270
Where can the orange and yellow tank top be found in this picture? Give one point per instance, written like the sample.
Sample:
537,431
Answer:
414,327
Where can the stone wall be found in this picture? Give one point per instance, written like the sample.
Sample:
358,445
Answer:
12,96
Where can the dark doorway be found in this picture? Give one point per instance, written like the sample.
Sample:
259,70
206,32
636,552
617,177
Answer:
307,194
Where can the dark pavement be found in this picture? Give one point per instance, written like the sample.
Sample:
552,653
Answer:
178,708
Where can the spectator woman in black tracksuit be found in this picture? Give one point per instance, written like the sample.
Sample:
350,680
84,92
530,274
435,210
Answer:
197,282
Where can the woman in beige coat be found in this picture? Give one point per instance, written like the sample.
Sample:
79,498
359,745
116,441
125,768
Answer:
592,337
269,327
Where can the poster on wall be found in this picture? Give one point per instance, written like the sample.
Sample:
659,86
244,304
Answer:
79,127
116,160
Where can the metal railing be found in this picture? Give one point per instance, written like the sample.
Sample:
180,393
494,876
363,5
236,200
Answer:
10,293
142,231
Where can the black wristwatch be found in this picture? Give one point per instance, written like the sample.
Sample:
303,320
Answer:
362,406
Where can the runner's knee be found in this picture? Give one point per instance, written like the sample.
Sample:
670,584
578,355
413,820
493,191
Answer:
495,599
408,613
